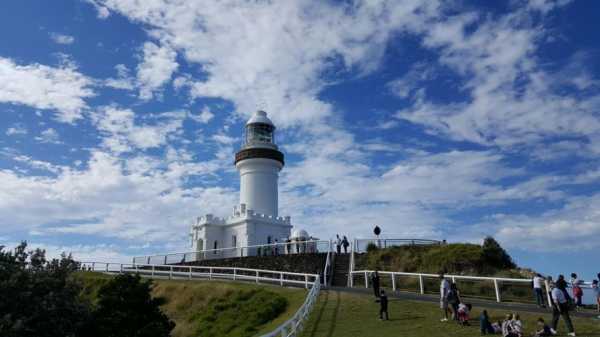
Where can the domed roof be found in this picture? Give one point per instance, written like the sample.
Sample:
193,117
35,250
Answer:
300,234
260,117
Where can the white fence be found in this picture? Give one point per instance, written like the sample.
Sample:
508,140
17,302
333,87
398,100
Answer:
497,282
283,248
290,328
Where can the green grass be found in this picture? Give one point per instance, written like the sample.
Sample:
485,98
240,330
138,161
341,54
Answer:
347,315
194,305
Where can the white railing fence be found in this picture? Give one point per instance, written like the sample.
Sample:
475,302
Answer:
360,245
289,328
327,268
502,289
283,248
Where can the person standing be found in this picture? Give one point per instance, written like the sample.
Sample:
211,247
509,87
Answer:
338,244
538,281
345,243
576,288
383,305
560,307
375,283
596,292
444,290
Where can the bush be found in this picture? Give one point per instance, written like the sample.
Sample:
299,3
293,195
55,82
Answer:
126,309
238,314
371,247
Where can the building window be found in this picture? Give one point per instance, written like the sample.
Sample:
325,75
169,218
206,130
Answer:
269,239
234,241
215,246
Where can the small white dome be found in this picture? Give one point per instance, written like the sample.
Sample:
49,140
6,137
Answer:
260,117
300,234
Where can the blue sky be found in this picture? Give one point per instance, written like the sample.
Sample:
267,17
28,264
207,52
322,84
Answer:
433,120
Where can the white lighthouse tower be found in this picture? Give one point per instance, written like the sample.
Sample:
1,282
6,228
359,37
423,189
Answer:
255,220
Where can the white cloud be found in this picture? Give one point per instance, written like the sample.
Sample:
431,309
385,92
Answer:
62,89
62,38
49,136
204,117
122,134
157,67
17,129
123,81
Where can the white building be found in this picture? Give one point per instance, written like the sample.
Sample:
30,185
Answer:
255,220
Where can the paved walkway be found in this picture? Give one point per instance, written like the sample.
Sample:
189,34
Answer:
508,306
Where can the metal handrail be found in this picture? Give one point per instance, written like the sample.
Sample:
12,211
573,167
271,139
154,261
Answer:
421,276
211,252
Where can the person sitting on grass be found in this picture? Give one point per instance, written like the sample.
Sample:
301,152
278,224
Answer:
383,305
485,326
463,313
517,325
543,330
497,327
507,329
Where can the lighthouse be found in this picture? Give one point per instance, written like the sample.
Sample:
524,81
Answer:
255,220
259,162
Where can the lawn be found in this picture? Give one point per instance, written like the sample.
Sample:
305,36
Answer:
347,315
187,301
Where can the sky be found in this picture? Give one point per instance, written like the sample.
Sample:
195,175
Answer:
432,119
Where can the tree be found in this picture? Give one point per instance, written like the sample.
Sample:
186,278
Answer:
495,255
126,309
39,299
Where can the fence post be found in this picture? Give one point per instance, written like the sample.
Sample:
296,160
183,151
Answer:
366,281
306,281
257,276
421,284
497,290
165,259
152,270
210,273
190,275
281,279
170,272
234,273
393,282
547,284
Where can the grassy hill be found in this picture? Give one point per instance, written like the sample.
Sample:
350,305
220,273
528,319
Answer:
214,308
339,314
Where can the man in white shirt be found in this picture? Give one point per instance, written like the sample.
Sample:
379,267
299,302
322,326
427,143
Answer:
538,281
444,290
560,307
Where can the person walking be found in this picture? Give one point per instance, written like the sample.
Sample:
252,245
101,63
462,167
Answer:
338,244
454,300
577,291
383,305
596,292
538,281
444,290
375,283
560,307
345,243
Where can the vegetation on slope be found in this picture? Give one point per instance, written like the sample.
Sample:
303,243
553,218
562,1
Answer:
216,308
457,258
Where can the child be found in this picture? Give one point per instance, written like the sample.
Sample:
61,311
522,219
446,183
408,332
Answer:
497,327
543,329
383,305
484,324
507,330
463,313
517,325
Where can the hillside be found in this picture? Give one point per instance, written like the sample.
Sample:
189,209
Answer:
213,308
489,259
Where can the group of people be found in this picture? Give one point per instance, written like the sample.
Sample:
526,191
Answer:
561,303
339,243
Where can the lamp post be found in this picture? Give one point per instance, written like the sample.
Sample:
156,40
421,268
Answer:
377,231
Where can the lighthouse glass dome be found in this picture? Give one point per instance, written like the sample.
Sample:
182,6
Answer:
259,133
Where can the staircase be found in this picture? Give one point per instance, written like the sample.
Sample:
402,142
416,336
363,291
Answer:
341,267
